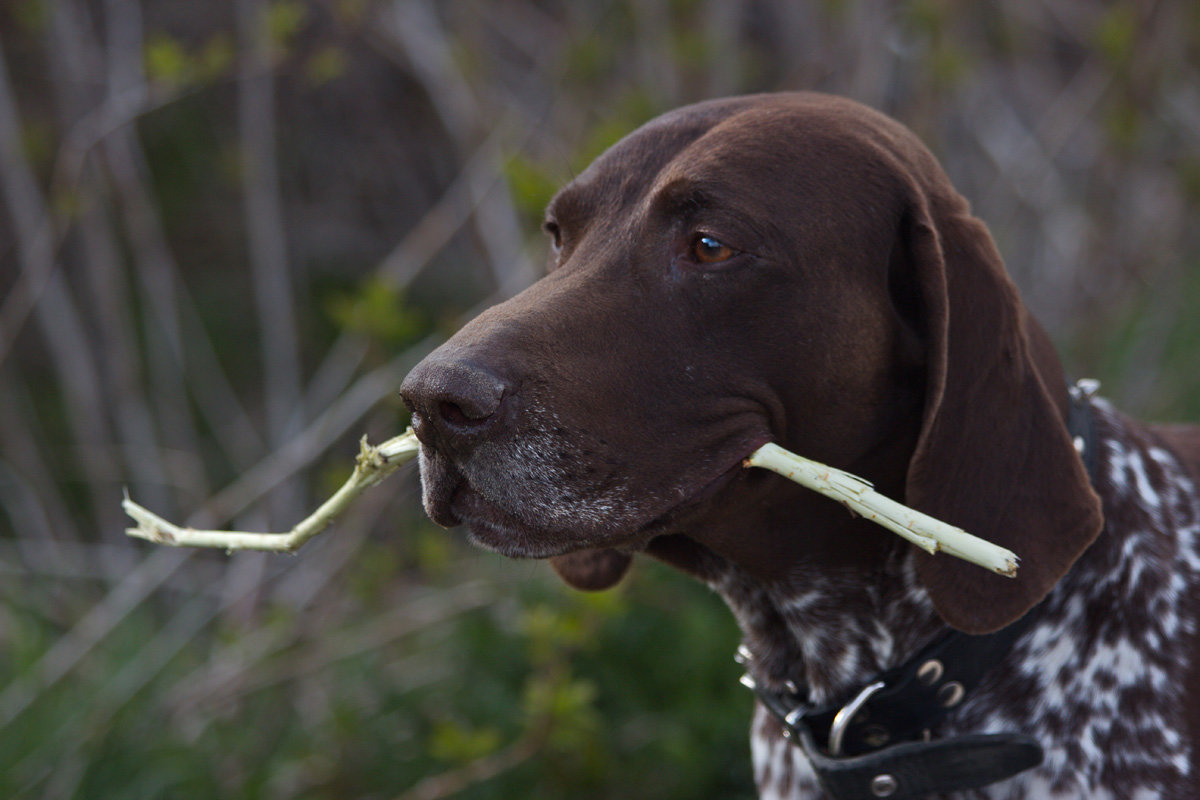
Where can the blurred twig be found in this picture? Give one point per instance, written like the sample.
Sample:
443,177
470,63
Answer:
299,451
258,661
56,311
61,658
21,441
273,295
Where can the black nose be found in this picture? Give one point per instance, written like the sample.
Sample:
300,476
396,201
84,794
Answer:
453,401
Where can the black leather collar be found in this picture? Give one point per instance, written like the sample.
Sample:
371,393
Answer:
879,744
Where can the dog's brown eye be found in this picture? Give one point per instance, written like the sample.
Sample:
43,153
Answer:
707,250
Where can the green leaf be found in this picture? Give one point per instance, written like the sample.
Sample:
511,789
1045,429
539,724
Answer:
32,16
531,187
166,60
327,64
459,744
433,551
284,19
378,311
216,58
1115,35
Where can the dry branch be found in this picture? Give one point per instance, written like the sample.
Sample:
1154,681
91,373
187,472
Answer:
376,463
372,466
860,497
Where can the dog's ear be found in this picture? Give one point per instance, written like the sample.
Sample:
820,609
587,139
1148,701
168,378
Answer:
592,570
994,456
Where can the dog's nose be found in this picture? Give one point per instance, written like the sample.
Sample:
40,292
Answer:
452,400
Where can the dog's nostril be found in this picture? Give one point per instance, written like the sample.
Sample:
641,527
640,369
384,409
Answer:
455,403
453,414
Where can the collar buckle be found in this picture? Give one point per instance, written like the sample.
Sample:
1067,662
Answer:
843,718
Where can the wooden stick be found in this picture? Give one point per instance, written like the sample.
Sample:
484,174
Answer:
860,497
372,466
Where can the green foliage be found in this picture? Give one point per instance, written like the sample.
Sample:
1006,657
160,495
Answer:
377,310
457,743
1122,123
589,59
1145,354
349,12
284,21
432,553
378,567
215,59
38,143
691,48
169,63
31,15
325,65
1188,170
166,61
1115,35
945,62
626,114
1181,353
531,186
632,687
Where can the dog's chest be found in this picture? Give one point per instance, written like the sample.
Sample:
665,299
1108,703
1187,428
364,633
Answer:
1100,679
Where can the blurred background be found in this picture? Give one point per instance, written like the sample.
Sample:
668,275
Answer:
228,229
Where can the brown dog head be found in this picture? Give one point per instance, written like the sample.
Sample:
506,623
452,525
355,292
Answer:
792,268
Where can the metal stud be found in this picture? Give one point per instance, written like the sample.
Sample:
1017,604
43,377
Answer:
791,687
742,655
748,682
951,694
1085,388
930,672
884,785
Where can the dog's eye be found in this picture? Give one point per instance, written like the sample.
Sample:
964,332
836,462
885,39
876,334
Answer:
708,250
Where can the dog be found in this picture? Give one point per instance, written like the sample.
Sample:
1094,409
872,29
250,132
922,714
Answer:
797,268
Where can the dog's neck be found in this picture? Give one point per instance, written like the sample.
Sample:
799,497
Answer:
827,631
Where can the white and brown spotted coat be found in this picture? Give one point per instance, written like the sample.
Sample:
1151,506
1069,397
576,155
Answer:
1099,679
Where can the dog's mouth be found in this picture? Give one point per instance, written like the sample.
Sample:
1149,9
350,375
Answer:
625,520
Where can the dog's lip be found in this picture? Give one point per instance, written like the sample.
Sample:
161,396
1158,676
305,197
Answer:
492,527
489,525
705,493
496,529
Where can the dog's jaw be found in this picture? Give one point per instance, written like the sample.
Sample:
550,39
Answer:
553,489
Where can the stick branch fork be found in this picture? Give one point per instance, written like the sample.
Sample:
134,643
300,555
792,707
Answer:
374,464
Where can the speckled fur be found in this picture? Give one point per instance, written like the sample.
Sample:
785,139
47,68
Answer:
1099,678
